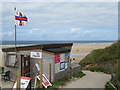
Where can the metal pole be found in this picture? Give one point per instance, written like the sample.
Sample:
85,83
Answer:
15,45
19,71
15,40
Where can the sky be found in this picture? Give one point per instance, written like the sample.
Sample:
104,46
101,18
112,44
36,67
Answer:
62,21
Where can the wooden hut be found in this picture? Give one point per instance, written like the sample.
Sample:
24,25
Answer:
55,60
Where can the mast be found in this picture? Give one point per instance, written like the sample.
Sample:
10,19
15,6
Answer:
15,40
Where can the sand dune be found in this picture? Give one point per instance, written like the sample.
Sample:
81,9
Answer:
85,48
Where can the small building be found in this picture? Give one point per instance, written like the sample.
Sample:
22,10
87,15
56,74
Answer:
56,56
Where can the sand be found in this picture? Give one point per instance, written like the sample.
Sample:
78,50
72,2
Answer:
76,49
84,49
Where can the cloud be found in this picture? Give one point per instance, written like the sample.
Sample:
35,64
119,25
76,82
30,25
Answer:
48,20
55,15
75,30
88,32
69,34
8,34
61,1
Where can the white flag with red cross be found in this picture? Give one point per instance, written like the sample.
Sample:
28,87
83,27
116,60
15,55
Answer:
20,19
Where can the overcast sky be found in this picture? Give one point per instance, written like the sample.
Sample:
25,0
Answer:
62,20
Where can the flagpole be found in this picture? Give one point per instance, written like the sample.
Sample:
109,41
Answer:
15,40
18,71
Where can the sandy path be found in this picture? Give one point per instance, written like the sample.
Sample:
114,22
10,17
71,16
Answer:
91,80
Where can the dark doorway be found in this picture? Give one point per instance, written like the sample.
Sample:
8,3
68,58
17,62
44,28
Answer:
25,65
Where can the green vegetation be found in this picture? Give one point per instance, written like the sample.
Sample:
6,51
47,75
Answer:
78,75
1,70
97,69
105,60
65,79
108,86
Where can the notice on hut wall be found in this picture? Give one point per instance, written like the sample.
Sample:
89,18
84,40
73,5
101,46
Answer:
57,58
67,56
36,54
66,64
62,57
63,65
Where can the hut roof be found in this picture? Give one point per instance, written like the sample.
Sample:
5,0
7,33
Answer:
58,50
41,46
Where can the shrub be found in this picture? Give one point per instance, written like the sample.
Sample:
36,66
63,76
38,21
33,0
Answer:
97,69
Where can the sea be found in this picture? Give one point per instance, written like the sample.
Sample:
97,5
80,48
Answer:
52,42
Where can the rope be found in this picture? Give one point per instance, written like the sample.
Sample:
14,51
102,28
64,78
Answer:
112,85
23,73
27,69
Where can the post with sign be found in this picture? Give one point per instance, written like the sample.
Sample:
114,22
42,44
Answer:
18,80
24,82
50,72
39,56
41,73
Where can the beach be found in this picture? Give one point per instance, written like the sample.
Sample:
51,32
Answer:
78,52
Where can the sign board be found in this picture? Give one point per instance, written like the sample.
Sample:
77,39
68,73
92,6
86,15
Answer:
45,81
57,58
66,64
36,54
63,65
67,56
24,83
62,57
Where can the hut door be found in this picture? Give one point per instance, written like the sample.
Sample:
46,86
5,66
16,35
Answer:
26,66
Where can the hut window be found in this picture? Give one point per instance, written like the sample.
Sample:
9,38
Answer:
10,60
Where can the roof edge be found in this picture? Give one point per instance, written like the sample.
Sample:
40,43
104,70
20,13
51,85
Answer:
34,47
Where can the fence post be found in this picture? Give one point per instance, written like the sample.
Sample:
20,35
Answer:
50,72
41,73
18,80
